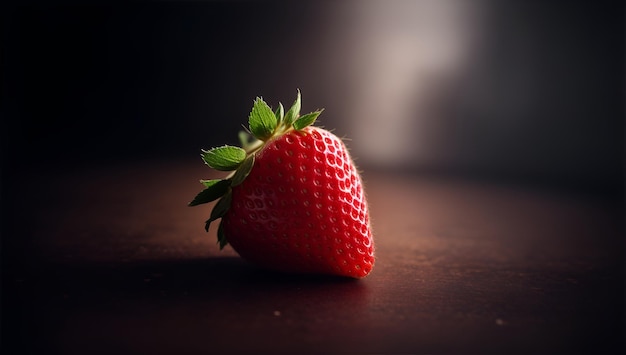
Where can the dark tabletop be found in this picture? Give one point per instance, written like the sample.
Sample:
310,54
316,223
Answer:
111,260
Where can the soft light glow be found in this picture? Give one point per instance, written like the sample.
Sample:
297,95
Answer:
405,51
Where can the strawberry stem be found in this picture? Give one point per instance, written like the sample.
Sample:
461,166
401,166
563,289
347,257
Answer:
263,125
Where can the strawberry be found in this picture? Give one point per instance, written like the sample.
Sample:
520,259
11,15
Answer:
294,201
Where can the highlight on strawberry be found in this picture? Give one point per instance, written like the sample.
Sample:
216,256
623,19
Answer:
294,201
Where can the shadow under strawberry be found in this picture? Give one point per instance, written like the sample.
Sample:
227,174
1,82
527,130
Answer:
163,276
205,301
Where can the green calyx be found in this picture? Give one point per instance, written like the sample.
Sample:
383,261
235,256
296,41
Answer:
263,125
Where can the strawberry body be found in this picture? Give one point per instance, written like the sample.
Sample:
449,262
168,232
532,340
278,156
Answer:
294,201
302,208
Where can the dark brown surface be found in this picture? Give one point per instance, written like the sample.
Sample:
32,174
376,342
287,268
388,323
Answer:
111,260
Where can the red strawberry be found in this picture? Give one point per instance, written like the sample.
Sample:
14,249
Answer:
295,201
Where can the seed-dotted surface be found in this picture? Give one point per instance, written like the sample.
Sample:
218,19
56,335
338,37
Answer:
303,204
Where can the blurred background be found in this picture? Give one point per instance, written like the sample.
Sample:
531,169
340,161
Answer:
526,91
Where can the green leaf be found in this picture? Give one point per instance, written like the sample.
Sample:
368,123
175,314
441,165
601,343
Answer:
214,190
244,139
249,142
221,236
262,120
243,171
224,158
294,111
220,208
209,183
306,120
279,113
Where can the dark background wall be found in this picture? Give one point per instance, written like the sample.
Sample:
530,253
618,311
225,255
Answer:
537,96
